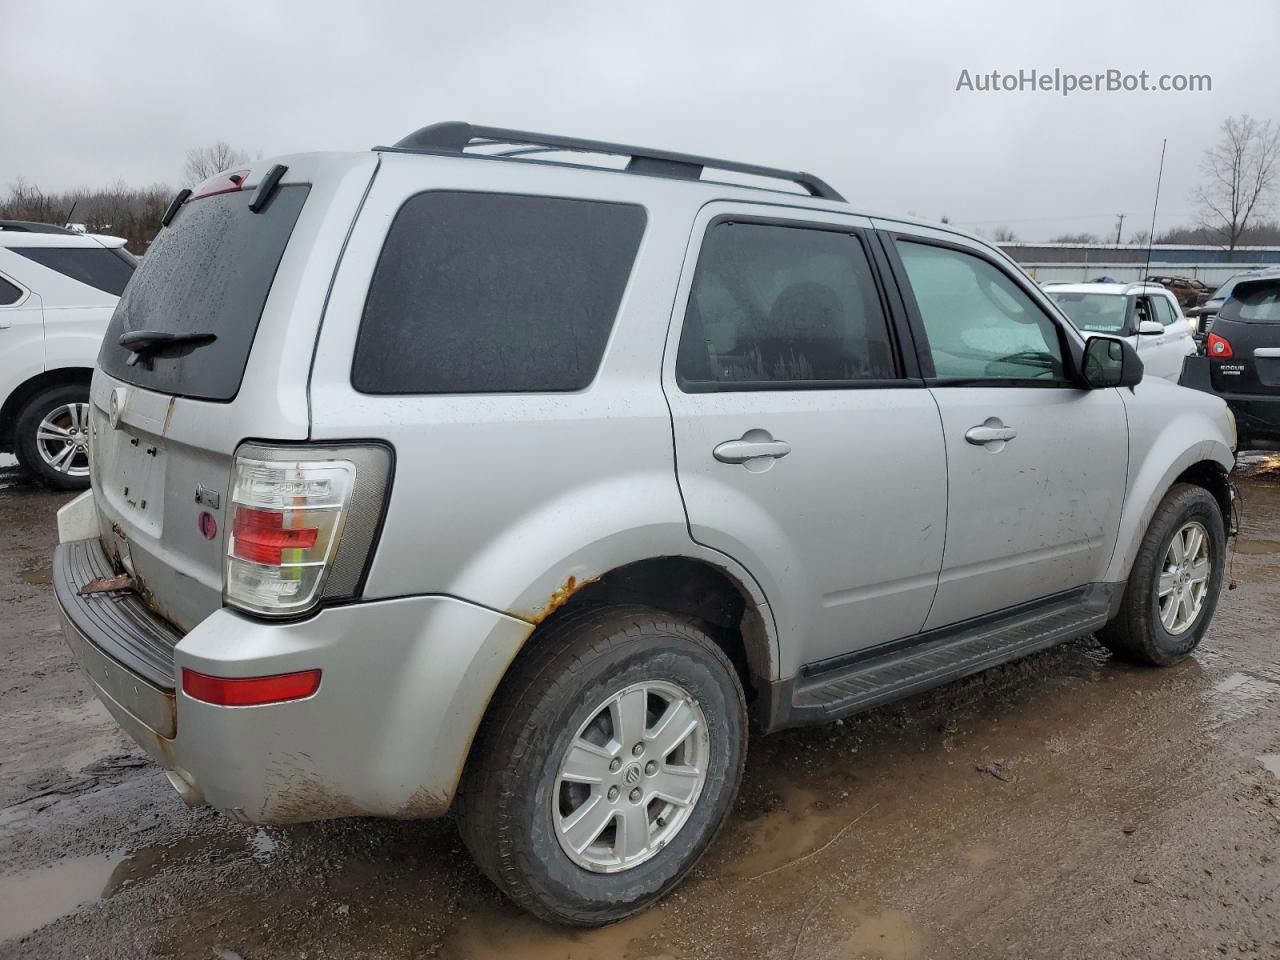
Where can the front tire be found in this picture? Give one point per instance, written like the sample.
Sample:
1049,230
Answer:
1175,581
609,763
53,436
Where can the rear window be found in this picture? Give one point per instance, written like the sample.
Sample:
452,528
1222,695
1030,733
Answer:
105,269
1257,303
494,293
208,272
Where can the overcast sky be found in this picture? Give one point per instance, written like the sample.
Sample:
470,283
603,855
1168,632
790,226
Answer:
863,94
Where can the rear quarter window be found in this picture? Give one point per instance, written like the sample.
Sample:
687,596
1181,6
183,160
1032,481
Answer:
494,293
104,269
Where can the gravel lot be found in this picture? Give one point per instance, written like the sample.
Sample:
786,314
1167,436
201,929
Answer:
1064,806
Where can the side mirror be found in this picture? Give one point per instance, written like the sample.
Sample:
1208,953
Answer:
1110,363
1150,328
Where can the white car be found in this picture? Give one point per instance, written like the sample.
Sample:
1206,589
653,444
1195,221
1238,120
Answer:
58,289
1145,314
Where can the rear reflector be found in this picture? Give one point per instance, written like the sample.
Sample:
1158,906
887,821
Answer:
249,691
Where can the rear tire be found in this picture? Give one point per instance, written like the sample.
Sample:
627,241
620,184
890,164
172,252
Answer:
52,438
577,736
1166,611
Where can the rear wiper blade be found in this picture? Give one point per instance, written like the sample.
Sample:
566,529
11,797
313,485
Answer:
144,342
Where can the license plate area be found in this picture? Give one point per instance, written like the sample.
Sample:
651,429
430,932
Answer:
136,480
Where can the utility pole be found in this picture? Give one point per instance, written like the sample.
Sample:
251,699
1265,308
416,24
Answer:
1119,227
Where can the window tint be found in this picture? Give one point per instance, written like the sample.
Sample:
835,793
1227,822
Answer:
494,293
107,270
1259,304
1164,310
1093,312
781,304
979,323
9,293
209,271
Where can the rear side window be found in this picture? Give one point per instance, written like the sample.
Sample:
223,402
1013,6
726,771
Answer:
9,293
107,270
774,306
208,272
494,293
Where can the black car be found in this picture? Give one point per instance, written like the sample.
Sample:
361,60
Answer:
1241,362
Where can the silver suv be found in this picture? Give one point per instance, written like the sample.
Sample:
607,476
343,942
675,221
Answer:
470,473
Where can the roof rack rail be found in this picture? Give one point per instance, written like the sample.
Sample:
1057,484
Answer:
456,136
31,226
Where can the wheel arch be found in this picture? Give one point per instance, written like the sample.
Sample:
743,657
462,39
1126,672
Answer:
1205,464
22,393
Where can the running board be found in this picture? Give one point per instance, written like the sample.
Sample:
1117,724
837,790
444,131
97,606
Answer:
878,675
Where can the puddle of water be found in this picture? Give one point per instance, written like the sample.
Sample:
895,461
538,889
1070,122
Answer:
30,900
882,934
1257,547
799,827
39,574
1271,762
1239,695
263,844
493,937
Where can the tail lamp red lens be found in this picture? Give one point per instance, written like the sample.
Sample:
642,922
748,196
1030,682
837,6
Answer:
249,691
1216,346
262,537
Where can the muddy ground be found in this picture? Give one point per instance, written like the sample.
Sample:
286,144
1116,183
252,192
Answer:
1064,806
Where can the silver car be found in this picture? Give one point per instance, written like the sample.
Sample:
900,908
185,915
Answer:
470,473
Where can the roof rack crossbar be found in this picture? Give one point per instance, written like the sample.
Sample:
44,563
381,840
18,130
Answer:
456,136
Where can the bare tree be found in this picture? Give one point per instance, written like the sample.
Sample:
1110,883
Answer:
1075,238
1240,177
1140,238
203,162
1004,235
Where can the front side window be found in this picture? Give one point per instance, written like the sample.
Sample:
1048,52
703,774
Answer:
979,323
494,293
773,305
1093,312
9,293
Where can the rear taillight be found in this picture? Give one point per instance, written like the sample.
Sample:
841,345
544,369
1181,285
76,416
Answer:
292,523
1216,346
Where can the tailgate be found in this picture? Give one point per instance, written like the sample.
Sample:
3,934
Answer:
1245,345
220,323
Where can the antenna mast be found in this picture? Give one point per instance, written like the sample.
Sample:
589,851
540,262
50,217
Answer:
1151,237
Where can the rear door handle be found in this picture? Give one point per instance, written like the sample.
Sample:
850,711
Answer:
992,431
5,324
740,451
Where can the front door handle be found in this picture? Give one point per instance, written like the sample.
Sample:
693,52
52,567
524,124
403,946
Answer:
992,430
753,445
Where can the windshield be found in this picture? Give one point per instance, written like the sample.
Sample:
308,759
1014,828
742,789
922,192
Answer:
1093,312
1224,291
201,289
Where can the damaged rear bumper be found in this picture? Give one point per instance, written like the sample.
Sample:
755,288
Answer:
403,686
